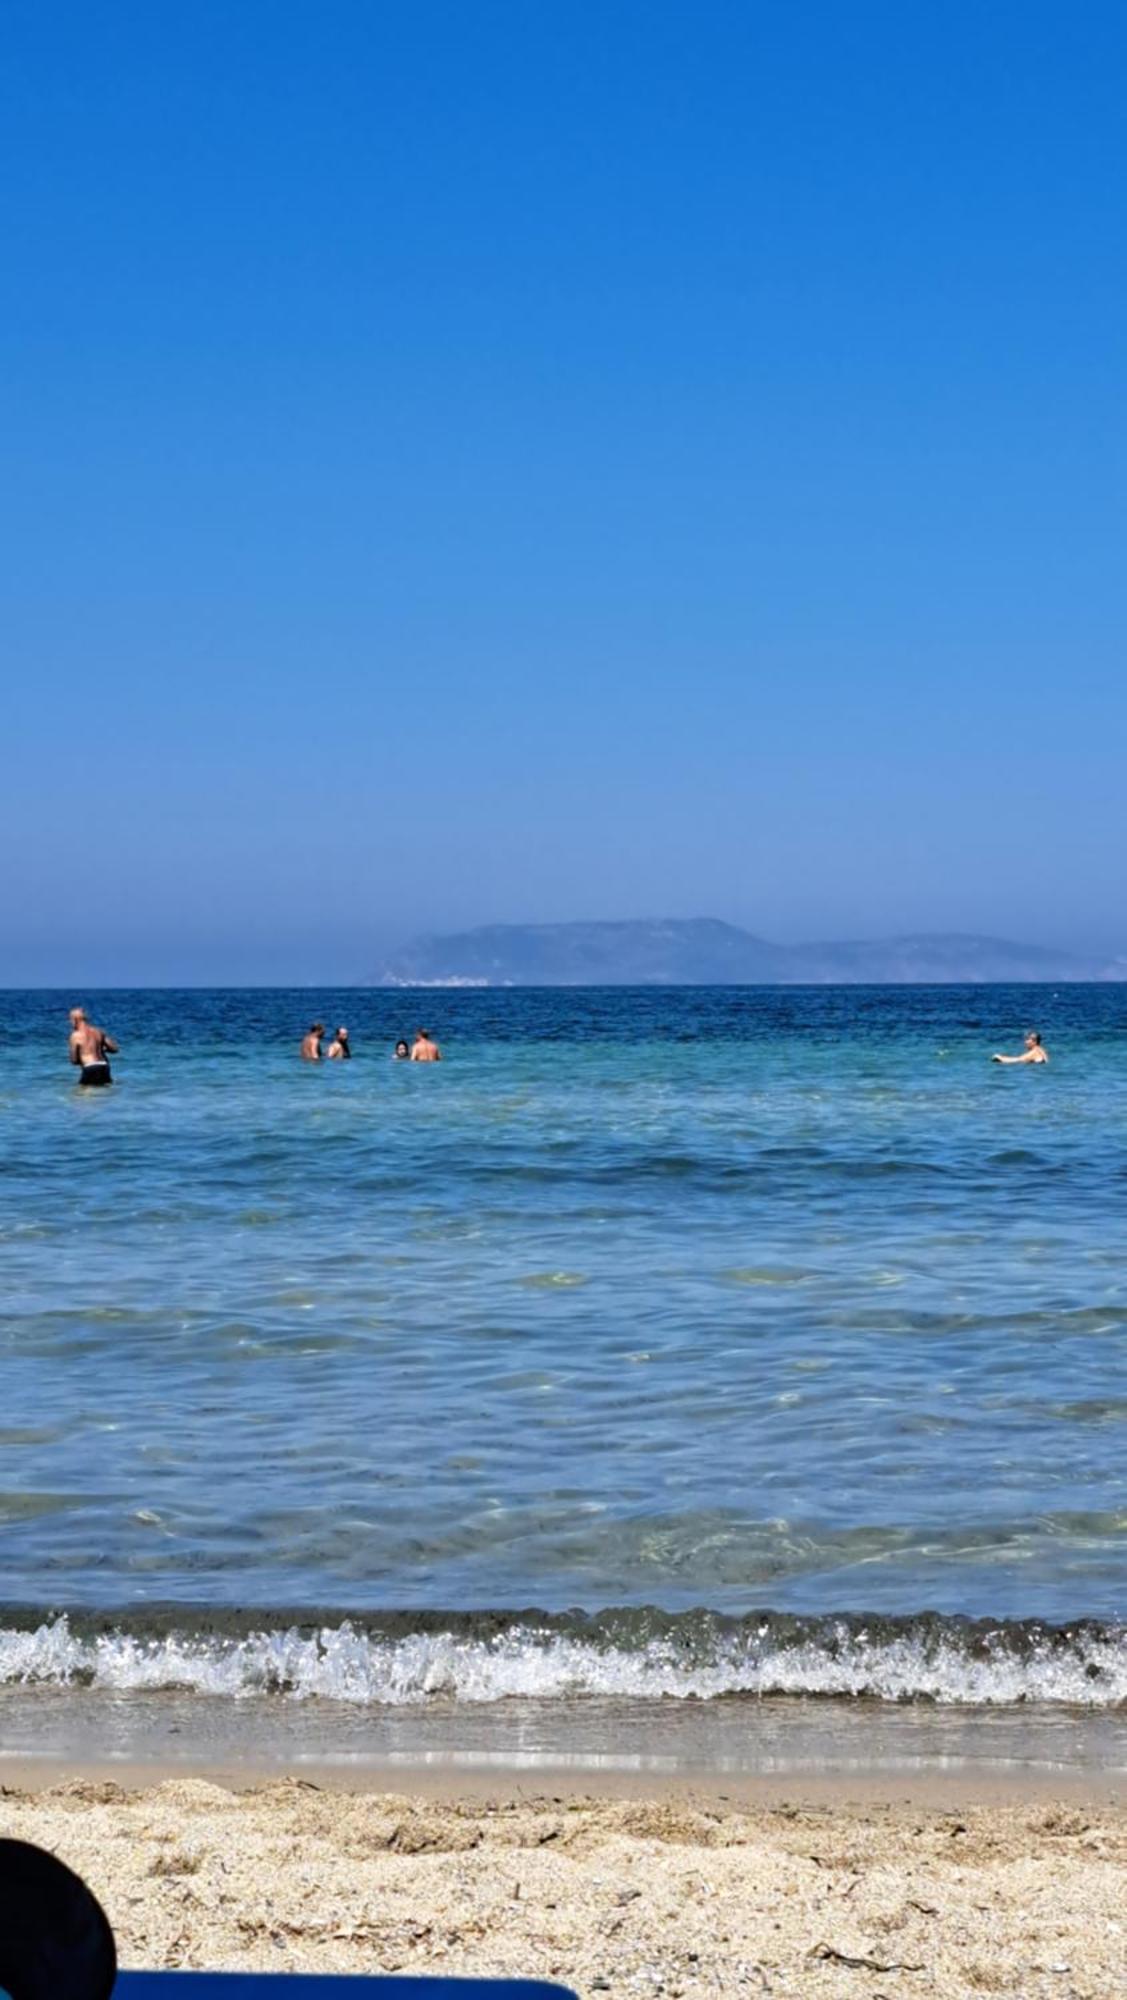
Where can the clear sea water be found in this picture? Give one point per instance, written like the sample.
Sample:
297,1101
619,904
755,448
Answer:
658,1342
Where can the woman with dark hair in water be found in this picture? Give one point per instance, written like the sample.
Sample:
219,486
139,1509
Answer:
402,1052
339,1048
1035,1051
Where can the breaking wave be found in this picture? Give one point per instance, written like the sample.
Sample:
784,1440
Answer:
412,1659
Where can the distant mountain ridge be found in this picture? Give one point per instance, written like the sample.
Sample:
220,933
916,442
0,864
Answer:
704,951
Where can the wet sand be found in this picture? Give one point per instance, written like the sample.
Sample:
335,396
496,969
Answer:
839,1889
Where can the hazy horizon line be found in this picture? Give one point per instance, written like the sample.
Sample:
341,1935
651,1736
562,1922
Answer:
463,986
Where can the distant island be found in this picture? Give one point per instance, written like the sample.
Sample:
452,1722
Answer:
703,951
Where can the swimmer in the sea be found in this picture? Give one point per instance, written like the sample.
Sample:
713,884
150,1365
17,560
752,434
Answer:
311,1045
425,1048
402,1052
340,1049
1035,1051
89,1049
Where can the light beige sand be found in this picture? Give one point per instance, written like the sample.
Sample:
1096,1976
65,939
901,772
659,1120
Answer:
614,1895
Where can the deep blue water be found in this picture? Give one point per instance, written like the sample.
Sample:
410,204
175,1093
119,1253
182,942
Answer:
724,1298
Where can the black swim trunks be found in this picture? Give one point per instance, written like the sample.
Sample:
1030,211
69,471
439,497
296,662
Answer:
95,1073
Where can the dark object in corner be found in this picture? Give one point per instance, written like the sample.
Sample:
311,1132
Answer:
55,1941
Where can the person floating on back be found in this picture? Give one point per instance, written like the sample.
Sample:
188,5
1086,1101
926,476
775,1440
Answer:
311,1046
1035,1051
425,1049
89,1049
339,1049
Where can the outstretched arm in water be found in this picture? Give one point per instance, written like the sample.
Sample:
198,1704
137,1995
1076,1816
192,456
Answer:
1031,1056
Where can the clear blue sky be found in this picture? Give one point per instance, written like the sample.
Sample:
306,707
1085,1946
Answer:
519,460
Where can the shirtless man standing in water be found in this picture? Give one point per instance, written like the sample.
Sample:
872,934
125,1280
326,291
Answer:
425,1048
89,1049
1035,1051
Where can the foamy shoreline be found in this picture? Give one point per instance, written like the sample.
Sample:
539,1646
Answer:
407,1659
682,1890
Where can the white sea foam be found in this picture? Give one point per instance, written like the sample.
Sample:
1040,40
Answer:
1085,1667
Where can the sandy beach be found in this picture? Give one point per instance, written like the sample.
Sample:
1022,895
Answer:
675,1894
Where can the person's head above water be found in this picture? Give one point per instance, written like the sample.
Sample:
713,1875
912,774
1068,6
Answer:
317,1028
401,1049
342,1034
77,1016
1035,1050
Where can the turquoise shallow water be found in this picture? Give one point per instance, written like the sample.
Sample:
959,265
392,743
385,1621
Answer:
709,1300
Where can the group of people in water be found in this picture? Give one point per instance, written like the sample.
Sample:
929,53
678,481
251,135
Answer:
424,1048
91,1049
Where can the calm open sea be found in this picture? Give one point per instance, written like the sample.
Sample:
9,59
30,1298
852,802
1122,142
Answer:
658,1342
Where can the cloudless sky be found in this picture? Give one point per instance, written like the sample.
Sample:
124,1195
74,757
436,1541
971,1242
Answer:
530,459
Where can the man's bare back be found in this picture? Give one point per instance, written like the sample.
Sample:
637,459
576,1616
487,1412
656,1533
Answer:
90,1048
425,1049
